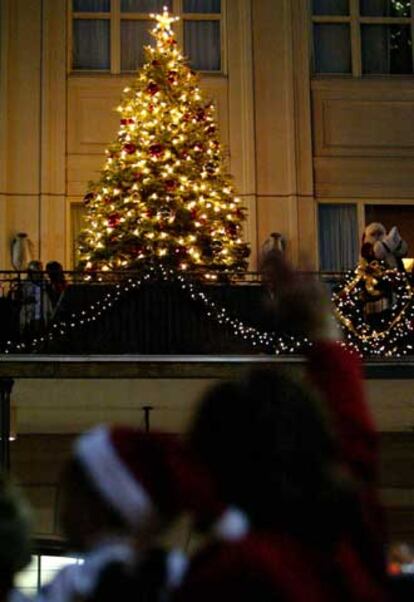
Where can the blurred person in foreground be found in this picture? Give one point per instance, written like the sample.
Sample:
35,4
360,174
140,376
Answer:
122,489
117,496
300,459
15,540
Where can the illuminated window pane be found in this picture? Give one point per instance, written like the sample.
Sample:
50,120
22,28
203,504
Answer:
338,237
386,49
202,44
28,580
332,48
330,7
91,44
91,6
134,36
202,6
50,565
145,6
385,8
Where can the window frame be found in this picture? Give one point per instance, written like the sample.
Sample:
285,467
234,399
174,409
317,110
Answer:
114,16
360,211
355,21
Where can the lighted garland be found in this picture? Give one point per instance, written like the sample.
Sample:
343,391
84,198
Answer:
257,338
387,341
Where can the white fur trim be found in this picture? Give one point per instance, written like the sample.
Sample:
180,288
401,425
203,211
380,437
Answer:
119,487
232,525
177,564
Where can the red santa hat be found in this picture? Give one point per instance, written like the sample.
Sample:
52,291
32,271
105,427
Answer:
149,475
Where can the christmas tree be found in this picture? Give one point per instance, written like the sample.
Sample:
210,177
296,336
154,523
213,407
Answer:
164,195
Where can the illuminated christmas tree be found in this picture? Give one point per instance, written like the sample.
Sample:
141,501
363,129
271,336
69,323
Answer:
164,195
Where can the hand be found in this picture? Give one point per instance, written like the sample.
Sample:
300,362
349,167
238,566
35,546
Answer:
300,303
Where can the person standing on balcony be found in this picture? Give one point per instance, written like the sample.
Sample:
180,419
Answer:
56,286
35,307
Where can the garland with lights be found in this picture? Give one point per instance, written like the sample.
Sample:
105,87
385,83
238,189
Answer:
262,340
391,336
164,196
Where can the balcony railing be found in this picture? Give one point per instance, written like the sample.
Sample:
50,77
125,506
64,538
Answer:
136,313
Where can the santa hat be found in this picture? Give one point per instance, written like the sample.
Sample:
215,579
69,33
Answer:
147,475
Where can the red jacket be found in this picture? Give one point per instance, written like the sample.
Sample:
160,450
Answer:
276,568
337,374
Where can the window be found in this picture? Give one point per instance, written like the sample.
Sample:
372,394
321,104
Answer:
109,35
77,220
40,571
338,237
363,37
401,216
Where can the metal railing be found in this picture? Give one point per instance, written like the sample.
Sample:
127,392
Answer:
134,312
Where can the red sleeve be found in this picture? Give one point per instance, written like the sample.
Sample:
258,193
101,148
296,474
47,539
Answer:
229,573
337,374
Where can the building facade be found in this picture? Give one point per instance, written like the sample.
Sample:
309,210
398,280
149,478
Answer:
315,103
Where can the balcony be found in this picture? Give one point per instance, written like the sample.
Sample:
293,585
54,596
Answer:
140,351
145,314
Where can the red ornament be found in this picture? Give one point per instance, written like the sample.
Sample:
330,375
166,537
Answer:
113,220
137,177
172,77
171,185
151,108
136,249
153,88
88,198
211,129
156,150
127,121
130,148
155,63
232,229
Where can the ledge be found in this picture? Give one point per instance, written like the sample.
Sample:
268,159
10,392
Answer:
171,366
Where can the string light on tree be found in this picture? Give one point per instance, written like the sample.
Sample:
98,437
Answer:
163,195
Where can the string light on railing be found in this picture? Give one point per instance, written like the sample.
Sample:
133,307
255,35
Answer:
257,338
